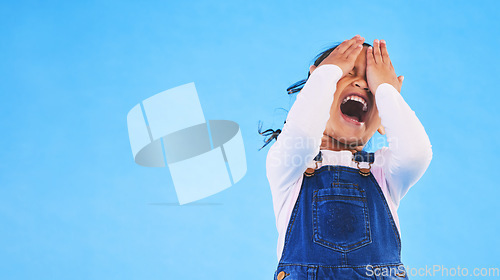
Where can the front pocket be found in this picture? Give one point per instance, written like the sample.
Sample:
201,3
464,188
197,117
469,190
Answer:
340,217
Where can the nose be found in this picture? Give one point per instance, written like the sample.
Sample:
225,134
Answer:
361,84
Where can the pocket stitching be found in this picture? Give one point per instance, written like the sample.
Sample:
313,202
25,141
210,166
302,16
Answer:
367,235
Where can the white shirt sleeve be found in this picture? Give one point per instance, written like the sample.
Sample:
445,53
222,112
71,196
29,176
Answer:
409,152
300,139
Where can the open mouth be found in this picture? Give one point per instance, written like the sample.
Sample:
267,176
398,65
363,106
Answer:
354,108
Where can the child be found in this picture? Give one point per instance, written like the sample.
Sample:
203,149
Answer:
335,204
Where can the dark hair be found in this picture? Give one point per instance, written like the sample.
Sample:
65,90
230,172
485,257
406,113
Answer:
272,134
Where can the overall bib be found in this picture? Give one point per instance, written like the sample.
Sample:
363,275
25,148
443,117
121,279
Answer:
341,228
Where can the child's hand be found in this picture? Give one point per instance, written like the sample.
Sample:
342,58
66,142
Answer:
379,67
345,54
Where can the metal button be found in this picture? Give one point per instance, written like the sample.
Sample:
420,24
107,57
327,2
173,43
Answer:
401,274
282,275
309,172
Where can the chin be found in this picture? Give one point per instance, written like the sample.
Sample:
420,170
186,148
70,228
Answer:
350,133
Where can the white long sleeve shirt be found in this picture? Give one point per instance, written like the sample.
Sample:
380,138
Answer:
396,168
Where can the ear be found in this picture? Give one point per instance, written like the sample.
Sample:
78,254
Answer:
311,69
381,130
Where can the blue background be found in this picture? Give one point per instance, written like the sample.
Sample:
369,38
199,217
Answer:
74,205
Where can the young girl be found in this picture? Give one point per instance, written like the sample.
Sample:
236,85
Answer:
336,204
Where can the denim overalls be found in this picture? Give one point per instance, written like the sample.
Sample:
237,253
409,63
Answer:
341,228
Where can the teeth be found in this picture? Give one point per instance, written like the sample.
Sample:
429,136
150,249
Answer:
358,99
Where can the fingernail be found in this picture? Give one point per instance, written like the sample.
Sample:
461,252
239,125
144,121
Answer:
382,41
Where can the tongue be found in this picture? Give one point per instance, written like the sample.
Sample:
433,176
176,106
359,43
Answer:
354,118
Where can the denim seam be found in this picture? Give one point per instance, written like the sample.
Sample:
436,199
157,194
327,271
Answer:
313,271
336,168
336,185
292,220
343,197
339,266
391,218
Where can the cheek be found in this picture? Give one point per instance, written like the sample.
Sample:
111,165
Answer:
375,120
336,98
333,108
333,122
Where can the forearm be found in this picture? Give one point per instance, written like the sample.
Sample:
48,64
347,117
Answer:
409,152
299,141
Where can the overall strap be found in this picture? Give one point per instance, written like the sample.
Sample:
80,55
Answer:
361,156
318,157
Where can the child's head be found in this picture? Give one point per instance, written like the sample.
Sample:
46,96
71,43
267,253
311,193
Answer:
351,123
353,115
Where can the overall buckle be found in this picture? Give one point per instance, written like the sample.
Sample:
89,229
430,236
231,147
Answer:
363,156
310,171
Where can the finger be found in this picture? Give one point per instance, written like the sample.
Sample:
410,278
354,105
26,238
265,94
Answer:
383,50
376,51
354,51
381,130
369,56
347,44
400,79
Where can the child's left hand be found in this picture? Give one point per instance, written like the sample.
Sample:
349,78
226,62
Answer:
379,67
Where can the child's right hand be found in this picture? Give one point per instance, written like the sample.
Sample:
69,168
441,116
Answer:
345,54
